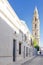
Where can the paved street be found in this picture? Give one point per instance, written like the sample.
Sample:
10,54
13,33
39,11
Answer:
37,61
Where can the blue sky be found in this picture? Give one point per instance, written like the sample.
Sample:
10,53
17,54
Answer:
25,10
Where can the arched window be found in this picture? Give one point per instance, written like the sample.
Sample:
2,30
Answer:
35,25
35,19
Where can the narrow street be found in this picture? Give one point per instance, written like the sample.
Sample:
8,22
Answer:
37,61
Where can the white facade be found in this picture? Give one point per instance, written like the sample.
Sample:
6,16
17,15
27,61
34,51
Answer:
15,44
7,35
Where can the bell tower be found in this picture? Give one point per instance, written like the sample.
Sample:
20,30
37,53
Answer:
36,25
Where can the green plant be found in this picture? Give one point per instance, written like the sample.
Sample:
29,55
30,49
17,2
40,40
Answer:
35,44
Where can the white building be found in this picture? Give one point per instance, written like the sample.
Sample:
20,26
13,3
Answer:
15,43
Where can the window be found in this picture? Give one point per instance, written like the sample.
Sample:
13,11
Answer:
31,42
26,51
25,38
35,25
19,48
35,33
35,19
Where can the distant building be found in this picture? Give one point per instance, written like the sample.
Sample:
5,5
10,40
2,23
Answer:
36,26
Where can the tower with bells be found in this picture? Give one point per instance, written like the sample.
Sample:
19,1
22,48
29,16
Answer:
36,26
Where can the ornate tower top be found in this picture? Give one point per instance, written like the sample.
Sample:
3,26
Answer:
36,13
36,10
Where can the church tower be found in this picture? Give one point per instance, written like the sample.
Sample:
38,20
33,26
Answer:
36,26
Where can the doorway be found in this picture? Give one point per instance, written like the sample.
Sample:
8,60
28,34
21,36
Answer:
14,45
20,48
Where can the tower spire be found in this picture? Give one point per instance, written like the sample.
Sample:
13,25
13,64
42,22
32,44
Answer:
36,26
36,9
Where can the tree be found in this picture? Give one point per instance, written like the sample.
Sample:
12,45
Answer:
35,44
37,47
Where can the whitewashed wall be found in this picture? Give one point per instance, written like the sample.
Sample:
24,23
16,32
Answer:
7,35
6,43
